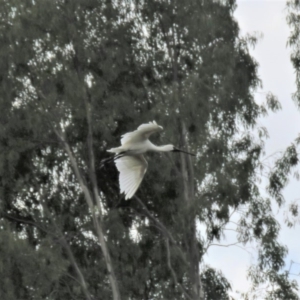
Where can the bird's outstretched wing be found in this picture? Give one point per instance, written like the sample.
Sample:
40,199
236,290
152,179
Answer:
142,133
132,170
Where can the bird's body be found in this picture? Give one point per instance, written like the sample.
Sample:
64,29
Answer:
140,148
129,158
137,142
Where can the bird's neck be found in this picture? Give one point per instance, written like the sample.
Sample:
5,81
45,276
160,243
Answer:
164,148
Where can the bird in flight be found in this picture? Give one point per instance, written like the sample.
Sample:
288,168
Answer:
129,158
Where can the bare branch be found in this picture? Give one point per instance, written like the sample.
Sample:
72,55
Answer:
174,273
96,193
92,157
76,267
236,244
162,228
32,223
97,224
62,240
227,245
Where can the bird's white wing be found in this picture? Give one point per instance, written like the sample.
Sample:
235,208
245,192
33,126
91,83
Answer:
132,170
142,133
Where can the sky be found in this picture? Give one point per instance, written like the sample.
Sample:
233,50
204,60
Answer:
267,18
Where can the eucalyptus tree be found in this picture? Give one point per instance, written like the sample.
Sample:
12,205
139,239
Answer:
75,75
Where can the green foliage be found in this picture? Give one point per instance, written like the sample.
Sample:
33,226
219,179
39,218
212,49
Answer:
273,103
293,41
29,273
279,176
280,287
215,284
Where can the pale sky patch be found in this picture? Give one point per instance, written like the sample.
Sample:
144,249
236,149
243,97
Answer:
277,74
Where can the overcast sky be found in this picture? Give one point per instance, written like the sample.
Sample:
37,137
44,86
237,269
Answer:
268,18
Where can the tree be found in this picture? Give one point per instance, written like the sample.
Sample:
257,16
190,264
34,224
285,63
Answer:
75,75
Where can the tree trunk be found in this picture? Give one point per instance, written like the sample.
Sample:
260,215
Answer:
187,171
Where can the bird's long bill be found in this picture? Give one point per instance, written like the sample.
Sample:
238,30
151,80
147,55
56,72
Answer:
178,150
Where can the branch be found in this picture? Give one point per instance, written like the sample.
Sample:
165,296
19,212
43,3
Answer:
160,225
89,200
173,272
227,245
64,243
92,158
76,267
27,222
73,278
162,228
92,172
62,240
97,223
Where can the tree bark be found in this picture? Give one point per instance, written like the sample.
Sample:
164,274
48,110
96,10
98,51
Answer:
187,171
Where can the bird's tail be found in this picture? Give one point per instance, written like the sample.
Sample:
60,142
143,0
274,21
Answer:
115,150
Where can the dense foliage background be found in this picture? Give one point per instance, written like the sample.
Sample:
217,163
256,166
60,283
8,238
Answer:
75,75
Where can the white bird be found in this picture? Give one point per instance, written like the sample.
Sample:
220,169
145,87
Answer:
129,158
